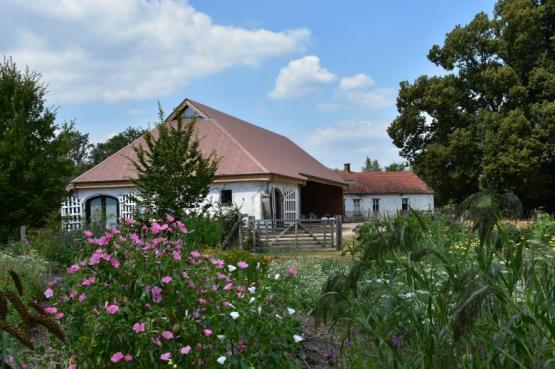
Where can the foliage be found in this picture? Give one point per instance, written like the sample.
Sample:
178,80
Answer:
173,175
425,292
489,122
397,167
34,162
371,165
210,229
32,269
102,150
150,301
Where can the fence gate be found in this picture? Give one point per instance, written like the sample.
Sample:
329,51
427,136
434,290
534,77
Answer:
296,233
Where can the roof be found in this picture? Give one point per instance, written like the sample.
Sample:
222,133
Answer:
385,183
244,149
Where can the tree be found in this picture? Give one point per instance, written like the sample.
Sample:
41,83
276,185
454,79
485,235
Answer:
489,123
397,167
173,175
102,150
371,166
80,149
35,162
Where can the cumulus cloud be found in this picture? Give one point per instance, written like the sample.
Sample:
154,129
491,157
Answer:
382,97
347,131
300,77
357,81
130,49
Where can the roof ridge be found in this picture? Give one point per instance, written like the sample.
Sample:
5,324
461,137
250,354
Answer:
226,132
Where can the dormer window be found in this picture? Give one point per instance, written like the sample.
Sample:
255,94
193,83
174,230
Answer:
189,113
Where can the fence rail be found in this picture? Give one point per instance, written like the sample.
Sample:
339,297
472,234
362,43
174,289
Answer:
295,233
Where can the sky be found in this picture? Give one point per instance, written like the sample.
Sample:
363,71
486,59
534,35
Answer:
323,73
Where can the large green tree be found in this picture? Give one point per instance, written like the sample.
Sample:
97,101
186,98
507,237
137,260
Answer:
35,162
102,150
173,174
371,165
489,122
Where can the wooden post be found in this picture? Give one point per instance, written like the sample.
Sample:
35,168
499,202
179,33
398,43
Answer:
339,232
254,234
296,234
325,224
333,224
23,233
241,241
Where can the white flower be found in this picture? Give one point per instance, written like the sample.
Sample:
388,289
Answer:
291,311
276,277
221,337
259,310
298,338
231,269
252,300
234,315
252,289
221,360
278,316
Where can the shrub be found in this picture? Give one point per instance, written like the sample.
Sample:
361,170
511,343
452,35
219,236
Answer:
149,301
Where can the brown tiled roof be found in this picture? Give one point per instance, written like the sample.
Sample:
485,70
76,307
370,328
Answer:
244,149
385,183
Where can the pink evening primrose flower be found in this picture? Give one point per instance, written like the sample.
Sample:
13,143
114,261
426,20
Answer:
128,357
115,263
59,316
169,218
72,366
166,356
228,286
195,254
48,293
116,357
292,272
176,254
73,268
138,327
87,233
185,350
50,310
82,297
167,279
242,265
167,335
112,309
207,332
181,227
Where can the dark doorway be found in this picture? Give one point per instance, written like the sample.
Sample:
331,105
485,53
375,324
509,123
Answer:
103,209
278,204
319,200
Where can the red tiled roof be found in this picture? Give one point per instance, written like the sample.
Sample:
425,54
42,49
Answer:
244,149
385,183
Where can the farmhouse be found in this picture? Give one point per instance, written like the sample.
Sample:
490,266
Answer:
378,194
263,173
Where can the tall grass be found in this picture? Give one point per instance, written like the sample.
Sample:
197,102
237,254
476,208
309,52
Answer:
429,292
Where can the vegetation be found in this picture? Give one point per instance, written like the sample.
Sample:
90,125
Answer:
432,292
371,165
34,157
173,174
488,122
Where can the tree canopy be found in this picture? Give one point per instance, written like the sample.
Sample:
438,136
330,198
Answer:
35,153
489,122
173,175
102,150
371,165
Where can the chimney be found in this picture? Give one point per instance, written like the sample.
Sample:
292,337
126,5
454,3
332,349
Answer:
347,167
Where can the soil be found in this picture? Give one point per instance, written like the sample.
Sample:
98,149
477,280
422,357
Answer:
320,345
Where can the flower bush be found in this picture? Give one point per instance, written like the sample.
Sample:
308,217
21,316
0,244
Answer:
142,299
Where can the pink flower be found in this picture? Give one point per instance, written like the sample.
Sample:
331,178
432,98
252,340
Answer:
116,357
185,350
228,286
202,301
73,268
195,254
48,293
167,335
166,356
72,366
50,310
82,297
292,272
112,309
59,316
128,357
167,279
207,332
156,294
87,233
89,281
169,218
115,263
226,303
129,221
138,327
176,254
181,227
242,265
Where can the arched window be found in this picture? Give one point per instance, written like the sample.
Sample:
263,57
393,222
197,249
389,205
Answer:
103,209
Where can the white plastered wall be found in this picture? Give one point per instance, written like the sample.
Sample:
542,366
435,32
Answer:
391,203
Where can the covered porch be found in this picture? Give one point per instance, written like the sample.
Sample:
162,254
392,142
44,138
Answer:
319,199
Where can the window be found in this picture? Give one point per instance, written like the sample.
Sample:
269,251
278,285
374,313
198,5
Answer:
189,113
356,207
375,205
103,209
404,204
226,197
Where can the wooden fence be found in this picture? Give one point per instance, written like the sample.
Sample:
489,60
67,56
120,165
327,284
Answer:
295,233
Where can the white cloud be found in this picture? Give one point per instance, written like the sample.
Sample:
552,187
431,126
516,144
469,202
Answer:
300,77
382,97
357,81
130,49
346,131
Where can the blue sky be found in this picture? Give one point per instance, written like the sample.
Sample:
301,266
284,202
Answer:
323,73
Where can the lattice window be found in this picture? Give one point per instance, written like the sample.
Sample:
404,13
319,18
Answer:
127,206
290,204
72,213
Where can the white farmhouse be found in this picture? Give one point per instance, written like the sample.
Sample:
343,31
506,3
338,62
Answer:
265,174
373,195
